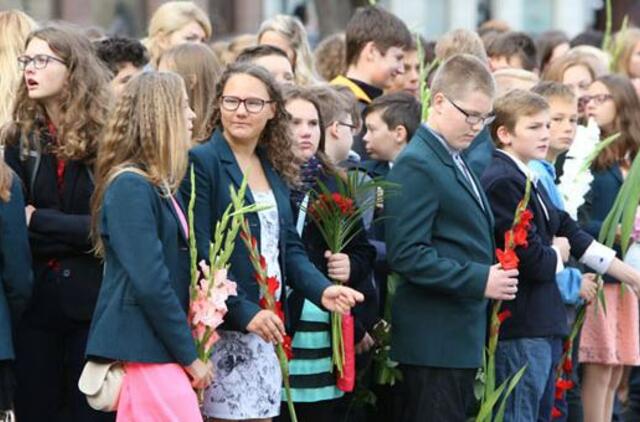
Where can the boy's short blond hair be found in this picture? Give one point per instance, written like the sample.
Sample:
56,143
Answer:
511,107
461,74
511,78
555,90
460,41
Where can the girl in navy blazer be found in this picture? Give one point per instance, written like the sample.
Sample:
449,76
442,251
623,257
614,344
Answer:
252,139
15,275
60,109
140,230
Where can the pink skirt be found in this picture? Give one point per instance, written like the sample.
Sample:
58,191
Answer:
612,338
157,393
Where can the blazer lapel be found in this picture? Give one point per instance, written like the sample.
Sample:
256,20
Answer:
444,156
230,164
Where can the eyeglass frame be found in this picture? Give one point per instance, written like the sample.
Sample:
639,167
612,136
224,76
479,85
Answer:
599,99
243,101
354,128
484,120
23,64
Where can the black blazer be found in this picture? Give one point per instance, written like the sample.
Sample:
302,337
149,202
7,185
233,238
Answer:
361,257
59,230
537,310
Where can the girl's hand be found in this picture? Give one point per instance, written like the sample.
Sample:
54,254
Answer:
340,298
267,325
338,266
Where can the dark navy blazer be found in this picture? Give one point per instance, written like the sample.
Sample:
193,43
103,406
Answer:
538,310
216,170
15,266
141,313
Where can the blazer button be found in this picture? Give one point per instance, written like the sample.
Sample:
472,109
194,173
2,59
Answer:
66,273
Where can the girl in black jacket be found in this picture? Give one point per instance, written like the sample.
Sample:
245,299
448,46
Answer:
60,109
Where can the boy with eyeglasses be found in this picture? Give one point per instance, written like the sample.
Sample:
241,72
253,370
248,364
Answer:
439,235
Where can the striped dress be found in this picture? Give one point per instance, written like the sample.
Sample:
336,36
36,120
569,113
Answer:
311,371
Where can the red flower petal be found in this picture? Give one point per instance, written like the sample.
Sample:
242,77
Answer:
567,366
508,259
288,349
555,413
504,315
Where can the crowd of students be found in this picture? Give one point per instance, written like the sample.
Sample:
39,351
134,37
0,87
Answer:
98,133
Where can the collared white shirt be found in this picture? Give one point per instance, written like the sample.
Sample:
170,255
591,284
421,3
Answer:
597,255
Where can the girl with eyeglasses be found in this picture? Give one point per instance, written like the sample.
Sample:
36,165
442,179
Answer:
313,381
253,140
609,340
60,109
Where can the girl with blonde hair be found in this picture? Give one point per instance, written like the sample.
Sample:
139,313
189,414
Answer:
140,230
628,62
60,109
174,23
288,33
200,69
14,28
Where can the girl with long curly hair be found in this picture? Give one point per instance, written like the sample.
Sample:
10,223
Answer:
140,230
60,109
253,140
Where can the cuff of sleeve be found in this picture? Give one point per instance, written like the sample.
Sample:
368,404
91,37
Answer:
598,257
559,264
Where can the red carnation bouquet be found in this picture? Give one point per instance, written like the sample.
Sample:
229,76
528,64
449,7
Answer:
268,288
514,238
338,216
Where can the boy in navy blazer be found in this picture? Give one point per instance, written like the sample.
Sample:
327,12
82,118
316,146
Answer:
533,334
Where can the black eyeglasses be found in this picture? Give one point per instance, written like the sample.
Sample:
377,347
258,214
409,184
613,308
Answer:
252,105
354,128
40,61
473,119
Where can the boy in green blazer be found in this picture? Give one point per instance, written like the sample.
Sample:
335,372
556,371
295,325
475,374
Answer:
440,242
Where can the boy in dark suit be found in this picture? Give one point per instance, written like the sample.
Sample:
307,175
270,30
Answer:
439,237
533,334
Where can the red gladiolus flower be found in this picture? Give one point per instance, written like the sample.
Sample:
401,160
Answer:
566,346
520,236
288,349
555,413
263,303
559,395
504,315
272,285
567,366
562,384
507,258
525,219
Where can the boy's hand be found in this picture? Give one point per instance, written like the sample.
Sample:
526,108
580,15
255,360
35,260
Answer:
588,287
501,284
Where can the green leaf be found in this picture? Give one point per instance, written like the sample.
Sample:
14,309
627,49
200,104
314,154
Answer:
512,385
486,410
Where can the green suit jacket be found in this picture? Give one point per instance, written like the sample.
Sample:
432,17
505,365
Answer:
440,242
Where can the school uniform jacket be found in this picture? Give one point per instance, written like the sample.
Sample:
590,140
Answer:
141,314
440,242
16,279
216,169
538,310
59,229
